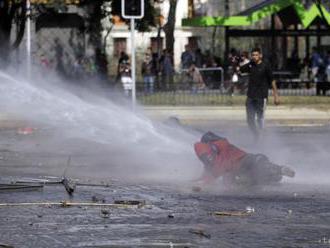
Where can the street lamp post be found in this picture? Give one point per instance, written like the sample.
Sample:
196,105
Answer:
28,39
133,9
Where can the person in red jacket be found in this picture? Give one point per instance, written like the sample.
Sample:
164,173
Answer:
222,159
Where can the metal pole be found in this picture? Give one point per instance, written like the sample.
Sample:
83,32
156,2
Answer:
133,63
28,38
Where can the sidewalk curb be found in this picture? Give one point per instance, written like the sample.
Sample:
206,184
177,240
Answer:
237,113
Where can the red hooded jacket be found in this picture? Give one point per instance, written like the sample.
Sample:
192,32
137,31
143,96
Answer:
219,157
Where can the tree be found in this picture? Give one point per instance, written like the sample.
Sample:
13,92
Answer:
11,11
170,26
143,24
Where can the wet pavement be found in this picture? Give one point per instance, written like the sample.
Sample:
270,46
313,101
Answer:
295,213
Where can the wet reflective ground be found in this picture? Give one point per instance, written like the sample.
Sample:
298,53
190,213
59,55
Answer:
295,213
281,218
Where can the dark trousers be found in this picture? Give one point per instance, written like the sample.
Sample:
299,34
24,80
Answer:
259,169
255,113
255,169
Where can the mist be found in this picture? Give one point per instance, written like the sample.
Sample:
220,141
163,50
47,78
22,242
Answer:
304,149
83,119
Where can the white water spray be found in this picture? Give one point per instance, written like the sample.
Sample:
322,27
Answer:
140,145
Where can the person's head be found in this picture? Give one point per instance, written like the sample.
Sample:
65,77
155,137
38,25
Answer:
147,56
210,137
205,154
256,55
244,55
187,47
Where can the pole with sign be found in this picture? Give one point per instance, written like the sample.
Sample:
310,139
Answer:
132,9
28,39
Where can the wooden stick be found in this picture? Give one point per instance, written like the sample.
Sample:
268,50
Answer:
68,204
232,213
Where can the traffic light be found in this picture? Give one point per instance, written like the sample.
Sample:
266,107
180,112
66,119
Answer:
132,9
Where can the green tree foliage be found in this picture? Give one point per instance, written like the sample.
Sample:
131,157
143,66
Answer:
141,25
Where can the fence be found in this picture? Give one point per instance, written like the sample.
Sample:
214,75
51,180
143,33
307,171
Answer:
181,89
219,89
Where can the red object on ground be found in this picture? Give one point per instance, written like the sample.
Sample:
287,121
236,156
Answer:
225,156
25,130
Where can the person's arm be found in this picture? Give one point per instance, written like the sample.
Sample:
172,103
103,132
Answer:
273,84
245,68
275,93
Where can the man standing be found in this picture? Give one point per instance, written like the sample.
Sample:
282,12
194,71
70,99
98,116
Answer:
260,80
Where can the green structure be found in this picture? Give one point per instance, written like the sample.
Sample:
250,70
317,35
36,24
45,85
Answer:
263,10
313,21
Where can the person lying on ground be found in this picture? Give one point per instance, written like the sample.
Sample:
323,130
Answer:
237,167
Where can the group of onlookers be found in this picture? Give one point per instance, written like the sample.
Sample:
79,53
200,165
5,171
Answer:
320,66
158,71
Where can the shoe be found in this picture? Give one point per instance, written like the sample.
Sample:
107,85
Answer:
286,171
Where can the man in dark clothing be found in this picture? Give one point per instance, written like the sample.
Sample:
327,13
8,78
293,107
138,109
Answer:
260,80
220,158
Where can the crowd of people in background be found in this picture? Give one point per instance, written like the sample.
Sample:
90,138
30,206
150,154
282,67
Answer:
198,70
158,70
313,69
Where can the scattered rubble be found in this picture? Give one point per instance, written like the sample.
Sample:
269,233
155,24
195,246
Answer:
24,187
171,216
105,213
136,203
70,204
98,199
233,213
200,232
6,246
69,185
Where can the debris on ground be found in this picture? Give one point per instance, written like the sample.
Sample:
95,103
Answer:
137,203
200,232
25,130
24,187
105,213
171,216
69,185
71,204
196,189
6,246
96,198
249,209
233,213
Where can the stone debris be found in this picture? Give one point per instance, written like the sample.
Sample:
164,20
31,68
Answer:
200,232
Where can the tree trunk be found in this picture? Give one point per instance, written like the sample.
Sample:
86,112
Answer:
9,11
214,33
170,26
5,28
